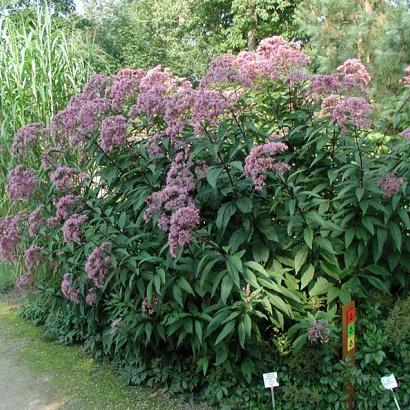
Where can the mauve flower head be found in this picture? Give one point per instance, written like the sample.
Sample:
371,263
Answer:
329,103
261,160
72,227
10,237
229,69
406,79
182,223
353,111
96,86
91,115
178,109
25,137
32,257
294,78
176,193
66,205
319,332
406,133
35,221
147,307
24,282
113,132
155,88
64,125
64,178
354,69
53,221
124,87
208,109
390,185
91,297
21,183
201,169
68,290
98,264
153,146
281,54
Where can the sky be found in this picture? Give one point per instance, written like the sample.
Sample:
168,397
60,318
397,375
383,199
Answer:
79,6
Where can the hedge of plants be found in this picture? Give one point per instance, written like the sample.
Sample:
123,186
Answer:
199,236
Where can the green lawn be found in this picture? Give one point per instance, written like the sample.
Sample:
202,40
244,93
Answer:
77,381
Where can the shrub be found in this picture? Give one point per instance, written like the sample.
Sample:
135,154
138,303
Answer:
195,226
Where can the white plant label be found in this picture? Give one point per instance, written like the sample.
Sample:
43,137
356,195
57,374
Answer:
389,382
270,380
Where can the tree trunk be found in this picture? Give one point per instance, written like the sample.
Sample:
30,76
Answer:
252,33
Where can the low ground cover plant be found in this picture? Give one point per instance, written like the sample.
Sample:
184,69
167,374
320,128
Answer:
198,236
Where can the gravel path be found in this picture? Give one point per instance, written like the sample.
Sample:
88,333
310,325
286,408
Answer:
20,389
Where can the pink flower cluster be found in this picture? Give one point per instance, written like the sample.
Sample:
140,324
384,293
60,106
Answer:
172,199
273,57
68,290
21,183
66,178
261,160
406,78
35,221
66,205
183,221
390,185
25,137
113,132
72,227
209,107
66,125
31,258
354,111
10,237
24,282
91,115
91,297
354,69
98,264
406,133
155,88
124,87
147,307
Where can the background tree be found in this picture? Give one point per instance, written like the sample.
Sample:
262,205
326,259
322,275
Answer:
377,32
185,35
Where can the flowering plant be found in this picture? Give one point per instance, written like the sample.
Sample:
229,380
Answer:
203,218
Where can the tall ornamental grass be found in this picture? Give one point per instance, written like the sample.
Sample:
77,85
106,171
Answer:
41,67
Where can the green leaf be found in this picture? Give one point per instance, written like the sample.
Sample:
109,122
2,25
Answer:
395,234
260,252
224,215
184,284
307,276
213,175
244,204
226,288
359,193
122,220
242,334
198,331
321,286
404,216
308,236
237,239
176,292
226,331
300,258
